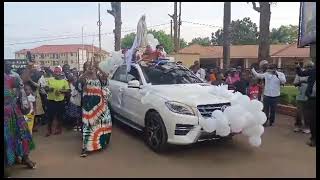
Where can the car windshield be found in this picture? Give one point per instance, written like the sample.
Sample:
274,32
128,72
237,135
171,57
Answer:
169,74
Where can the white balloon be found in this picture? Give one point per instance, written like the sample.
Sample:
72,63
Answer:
223,131
254,131
150,36
209,124
227,111
244,101
261,117
217,114
237,124
255,141
255,105
235,99
250,119
234,112
222,121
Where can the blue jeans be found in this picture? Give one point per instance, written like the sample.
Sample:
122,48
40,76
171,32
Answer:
269,106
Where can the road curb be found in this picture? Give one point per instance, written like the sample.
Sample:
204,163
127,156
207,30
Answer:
287,110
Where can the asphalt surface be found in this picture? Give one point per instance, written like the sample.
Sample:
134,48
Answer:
283,153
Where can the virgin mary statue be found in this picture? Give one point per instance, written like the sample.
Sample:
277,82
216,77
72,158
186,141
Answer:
139,44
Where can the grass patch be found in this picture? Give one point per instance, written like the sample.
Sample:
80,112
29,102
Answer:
288,95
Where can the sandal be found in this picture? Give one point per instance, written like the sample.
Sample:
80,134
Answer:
18,160
58,132
30,164
48,134
84,153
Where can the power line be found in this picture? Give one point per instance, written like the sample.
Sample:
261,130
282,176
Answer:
202,24
53,36
73,37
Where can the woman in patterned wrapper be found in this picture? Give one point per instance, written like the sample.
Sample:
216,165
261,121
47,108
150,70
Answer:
96,116
17,138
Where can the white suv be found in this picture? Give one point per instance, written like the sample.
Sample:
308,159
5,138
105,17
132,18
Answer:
180,100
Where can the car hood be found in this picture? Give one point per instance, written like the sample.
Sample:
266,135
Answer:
190,94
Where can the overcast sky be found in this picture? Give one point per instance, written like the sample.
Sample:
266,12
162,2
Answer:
25,22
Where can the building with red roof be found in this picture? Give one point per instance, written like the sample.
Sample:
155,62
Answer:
52,55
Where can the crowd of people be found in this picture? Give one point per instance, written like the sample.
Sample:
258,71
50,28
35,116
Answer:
79,100
265,86
54,97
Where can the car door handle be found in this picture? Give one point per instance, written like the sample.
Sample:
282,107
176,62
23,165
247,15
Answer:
120,89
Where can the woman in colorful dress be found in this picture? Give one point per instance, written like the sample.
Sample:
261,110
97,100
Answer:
96,116
17,137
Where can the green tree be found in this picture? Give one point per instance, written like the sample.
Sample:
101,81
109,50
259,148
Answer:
284,34
243,32
217,38
202,41
162,37
127,41
183,43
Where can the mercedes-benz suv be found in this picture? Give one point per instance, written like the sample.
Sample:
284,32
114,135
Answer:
165,101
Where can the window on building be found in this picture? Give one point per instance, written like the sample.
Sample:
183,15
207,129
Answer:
71,54
71,62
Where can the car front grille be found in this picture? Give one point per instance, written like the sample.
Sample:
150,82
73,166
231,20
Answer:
206,110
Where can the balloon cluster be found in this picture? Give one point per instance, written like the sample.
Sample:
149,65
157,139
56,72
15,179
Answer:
152,42
244,115
109,65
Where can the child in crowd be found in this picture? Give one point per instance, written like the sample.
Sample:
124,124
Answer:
219,80
31,98
73,112
254,90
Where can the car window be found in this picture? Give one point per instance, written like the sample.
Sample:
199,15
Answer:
121,75
133,74
162,75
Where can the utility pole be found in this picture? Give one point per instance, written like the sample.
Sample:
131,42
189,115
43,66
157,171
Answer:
99,24
179,24
171,29
226,35
175,28
82,49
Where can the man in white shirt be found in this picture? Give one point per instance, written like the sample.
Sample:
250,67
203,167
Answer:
273,80
199,72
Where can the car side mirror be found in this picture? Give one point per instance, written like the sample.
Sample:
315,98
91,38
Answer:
134,84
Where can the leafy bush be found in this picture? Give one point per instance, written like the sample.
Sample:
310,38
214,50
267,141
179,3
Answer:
288,95
293,100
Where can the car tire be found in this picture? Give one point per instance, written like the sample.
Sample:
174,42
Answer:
227,138
155,133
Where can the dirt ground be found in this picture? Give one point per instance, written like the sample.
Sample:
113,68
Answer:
283,153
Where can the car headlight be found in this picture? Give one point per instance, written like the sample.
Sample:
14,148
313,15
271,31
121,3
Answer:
179,108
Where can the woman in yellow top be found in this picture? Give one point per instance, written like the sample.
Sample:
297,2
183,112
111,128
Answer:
56,88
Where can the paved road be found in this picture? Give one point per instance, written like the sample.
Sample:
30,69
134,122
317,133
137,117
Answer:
283,153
